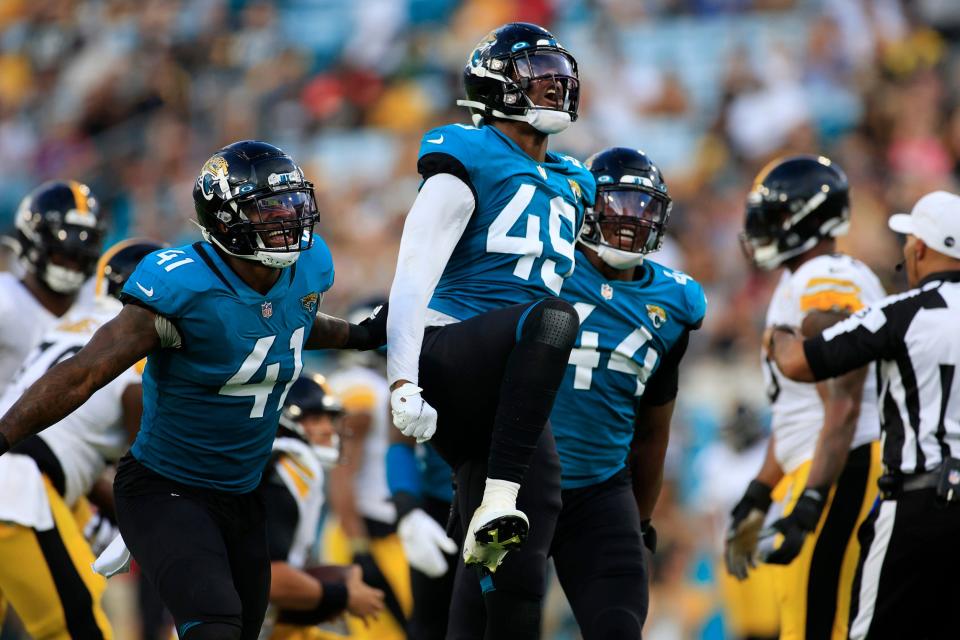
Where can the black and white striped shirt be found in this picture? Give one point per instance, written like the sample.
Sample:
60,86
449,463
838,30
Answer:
915,339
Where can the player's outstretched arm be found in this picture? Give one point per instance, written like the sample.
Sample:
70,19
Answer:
329,332
115,347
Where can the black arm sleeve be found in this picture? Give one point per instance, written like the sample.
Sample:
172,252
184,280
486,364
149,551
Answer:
876,333
663,384
283,516
433,163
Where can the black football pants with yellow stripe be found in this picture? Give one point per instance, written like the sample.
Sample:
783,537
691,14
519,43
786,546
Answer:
46,577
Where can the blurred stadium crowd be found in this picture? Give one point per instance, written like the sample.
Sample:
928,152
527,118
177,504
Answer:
131,97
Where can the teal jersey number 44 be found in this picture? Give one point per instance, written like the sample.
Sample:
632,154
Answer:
211,406
626,328
519,244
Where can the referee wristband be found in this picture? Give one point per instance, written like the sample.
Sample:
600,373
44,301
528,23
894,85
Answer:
4,444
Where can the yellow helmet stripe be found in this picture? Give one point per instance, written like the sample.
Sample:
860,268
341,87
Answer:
100,284
78,196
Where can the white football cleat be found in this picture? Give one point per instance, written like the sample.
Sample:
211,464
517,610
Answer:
492,534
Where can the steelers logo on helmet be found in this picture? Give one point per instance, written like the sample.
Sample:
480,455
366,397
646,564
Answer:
520,72
60,231
631,210
253,202
795,203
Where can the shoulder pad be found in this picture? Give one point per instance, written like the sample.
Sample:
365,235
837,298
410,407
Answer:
319,263
165,280
831,283
694,298
455,140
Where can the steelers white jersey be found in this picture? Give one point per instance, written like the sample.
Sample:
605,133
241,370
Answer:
299,469
825,283
362,389
93,434
25,321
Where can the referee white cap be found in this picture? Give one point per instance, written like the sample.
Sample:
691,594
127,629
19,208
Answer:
935,219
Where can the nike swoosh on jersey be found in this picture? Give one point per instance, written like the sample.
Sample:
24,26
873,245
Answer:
436,140
149,291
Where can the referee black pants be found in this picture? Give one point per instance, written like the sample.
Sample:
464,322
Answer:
908,579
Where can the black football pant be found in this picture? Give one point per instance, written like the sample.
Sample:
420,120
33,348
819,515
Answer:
493,379
908,580
205,551
600,559
431,596
507,604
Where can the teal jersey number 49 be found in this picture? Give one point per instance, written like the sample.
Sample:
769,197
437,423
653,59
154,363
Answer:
519,244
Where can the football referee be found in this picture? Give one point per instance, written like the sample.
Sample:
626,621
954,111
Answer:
908,578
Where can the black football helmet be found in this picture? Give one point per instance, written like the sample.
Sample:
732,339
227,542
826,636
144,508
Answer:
253,202
119,262
60,232
507,63
794,204
631,210
308,396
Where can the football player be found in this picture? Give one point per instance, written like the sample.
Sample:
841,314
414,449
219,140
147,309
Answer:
365,530
485,250
306,448
421,485
612,415
59,233
224,323
823,449
44,559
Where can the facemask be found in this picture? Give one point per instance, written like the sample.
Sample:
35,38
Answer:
615,258
548,121
63,280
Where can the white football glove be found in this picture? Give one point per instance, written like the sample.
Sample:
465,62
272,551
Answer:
425,543
114,559
411,413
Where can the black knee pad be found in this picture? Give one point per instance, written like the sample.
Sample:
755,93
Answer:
553,322
213,631
614,623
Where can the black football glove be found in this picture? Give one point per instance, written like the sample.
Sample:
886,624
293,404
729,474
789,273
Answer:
746,520
794,528
649,535
369,334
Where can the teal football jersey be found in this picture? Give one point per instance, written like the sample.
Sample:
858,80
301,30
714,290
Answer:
211,407
626,328
519,244
436,475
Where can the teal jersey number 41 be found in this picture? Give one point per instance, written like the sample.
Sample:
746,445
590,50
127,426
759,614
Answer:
211,406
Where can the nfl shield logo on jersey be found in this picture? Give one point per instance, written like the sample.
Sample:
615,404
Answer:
266,309
606,291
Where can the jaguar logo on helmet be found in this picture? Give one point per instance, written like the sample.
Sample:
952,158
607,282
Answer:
212,175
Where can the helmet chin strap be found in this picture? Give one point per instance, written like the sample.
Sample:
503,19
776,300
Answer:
616,258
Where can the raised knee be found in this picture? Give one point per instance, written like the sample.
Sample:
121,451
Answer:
615,623
210,631
553,322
